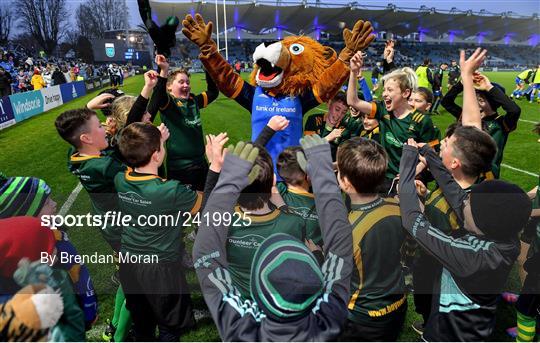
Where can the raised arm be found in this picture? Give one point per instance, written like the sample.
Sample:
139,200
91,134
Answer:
160,97
449,100
276,123
496,95
336,233
232,316
138,109
357,61
452,253
471,111
211,93
452,191
200,33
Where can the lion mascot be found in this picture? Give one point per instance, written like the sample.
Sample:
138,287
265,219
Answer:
289,78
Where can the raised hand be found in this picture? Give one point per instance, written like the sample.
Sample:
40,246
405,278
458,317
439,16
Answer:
196,30
357,62
481,82
470,65
278,123
164,37
336,133
164,132
248,153
162,63
308,142
101,101
150,79
357,39
214,150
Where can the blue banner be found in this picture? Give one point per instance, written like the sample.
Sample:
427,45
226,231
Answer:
72,90
6,113
26,105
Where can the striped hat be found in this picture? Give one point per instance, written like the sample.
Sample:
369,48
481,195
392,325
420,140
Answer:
286,279
22,196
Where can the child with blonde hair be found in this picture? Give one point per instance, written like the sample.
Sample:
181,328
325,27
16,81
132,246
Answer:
398,121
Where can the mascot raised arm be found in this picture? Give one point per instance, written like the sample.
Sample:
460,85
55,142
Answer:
290,77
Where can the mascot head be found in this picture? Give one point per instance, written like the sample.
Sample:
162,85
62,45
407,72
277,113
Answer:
291,65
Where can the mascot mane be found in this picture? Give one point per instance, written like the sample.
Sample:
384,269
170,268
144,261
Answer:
304,69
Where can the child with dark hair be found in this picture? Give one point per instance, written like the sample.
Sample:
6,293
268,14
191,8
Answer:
92,163
328,124
293,299
378,303
489,97
466,153
295,192
478,257
258,219
95,165
152,275
421,99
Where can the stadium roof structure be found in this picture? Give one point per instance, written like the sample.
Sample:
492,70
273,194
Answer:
306,17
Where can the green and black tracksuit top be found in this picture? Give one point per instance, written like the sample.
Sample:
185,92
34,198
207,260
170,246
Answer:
351,126
395,132
247,233
475,269
150,197
497,126
185,147
302,204
96,174
377,282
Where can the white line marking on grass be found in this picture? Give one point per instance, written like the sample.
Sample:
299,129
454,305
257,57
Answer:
528,121
519,170
70,200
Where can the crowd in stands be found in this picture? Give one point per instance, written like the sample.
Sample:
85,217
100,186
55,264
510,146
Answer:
409,53
21,72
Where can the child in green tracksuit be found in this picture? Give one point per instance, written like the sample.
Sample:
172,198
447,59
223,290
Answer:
295,192
150,270
378,304
180,112
96,166
398,121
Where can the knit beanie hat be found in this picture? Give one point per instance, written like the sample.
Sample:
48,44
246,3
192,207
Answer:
22,196
494,105
500,209
23,237
286,279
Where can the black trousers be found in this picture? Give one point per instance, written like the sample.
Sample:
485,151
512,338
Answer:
157,295
389,332
425,272
193,176
529,300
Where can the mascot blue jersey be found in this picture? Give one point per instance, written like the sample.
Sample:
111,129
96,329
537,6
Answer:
264,106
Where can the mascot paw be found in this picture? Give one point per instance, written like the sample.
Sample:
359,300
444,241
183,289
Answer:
357,39
196,30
